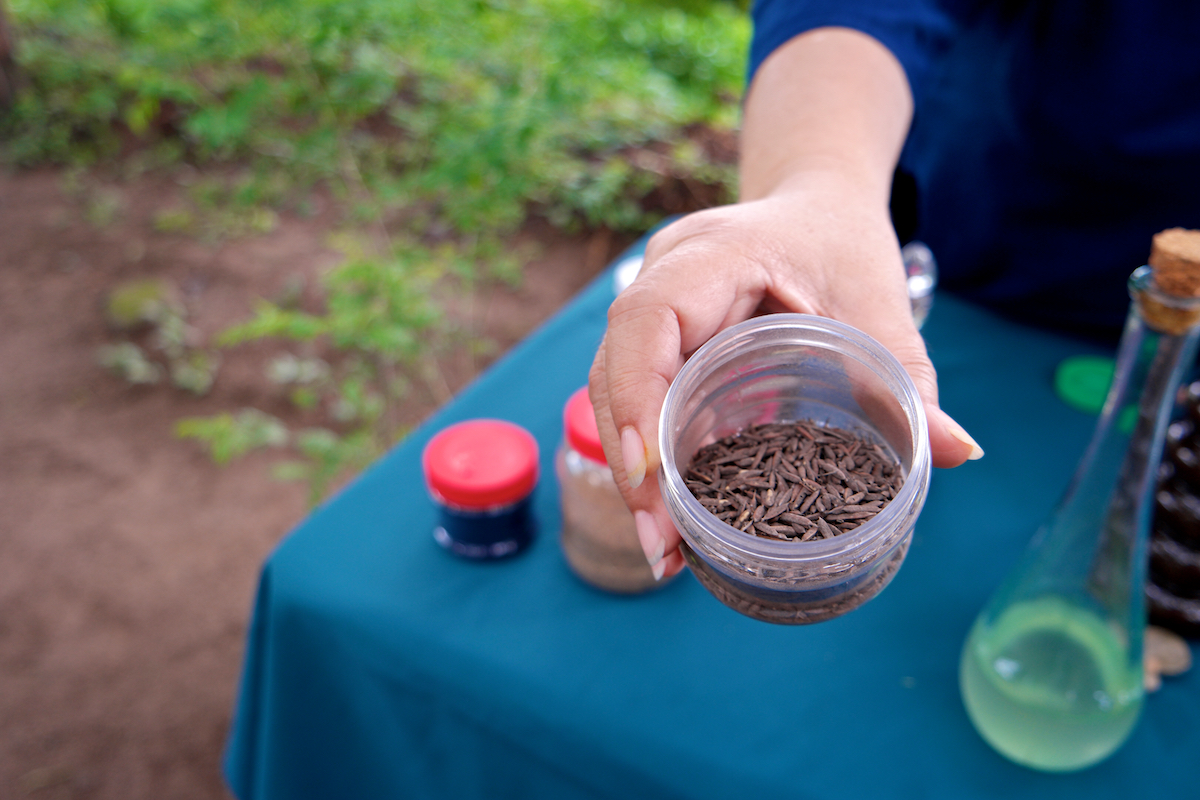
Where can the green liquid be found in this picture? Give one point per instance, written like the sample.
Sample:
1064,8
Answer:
1050,685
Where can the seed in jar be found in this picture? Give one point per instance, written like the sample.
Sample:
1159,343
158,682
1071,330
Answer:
795,481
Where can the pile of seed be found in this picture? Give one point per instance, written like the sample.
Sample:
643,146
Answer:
794,480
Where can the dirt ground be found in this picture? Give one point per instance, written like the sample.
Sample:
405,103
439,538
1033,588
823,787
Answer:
128,560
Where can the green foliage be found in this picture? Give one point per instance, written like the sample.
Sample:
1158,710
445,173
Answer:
153,305
470,109
455,119
328,456
228,436
378,319
141,302
194,371
128,361
378,307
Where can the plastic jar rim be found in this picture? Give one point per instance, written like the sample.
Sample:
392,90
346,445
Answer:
807,330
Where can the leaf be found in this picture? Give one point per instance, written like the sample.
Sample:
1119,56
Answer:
141,113
271,321
227,436
129,362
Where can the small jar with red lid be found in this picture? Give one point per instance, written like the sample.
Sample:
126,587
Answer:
599,539
481,473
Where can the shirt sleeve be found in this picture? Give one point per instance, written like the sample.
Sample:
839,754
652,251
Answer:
915,31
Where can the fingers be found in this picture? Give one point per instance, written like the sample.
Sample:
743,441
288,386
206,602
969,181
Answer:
654,545
716,268
949,444
886,315
688,291
636,472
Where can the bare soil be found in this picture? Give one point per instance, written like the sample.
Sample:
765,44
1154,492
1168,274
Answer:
128,560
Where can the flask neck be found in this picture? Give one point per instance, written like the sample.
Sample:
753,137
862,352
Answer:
1158,347
1151,366
1092,548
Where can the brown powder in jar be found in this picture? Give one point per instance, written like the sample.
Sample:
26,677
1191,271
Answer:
599,539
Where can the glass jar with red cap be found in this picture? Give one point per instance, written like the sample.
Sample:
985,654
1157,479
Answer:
599,539
482,473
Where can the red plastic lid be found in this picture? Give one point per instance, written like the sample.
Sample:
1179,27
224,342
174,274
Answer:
481,463
579,424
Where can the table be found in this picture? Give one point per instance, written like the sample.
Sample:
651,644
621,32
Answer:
380,666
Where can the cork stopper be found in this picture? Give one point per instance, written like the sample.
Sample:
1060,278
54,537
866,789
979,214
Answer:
1175,257
1175,260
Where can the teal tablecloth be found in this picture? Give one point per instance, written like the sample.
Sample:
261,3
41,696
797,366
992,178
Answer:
380,666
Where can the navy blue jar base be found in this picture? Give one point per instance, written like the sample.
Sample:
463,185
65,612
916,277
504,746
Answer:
497,533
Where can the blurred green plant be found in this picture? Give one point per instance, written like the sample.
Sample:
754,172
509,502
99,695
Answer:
377,324
152,306
453,120
466,112
228,436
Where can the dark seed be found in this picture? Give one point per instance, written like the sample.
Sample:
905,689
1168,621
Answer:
794,480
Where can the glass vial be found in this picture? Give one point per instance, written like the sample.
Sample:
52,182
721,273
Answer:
481,473
599,539
921,277
1051,672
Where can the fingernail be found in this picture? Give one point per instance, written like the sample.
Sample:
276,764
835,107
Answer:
633,453
658,569
957,432
652,541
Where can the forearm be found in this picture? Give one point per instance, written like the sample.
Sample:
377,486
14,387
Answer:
831,101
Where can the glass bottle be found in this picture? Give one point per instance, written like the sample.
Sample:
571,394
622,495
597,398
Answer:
1051,672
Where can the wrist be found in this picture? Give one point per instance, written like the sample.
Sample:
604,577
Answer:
835,177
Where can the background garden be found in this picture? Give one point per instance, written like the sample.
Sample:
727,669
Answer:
244,248
438,130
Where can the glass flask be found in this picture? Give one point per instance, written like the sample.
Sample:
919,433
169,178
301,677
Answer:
1051,672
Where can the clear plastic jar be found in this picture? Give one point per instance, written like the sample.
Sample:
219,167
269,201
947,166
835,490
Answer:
787,368
599,539
481,473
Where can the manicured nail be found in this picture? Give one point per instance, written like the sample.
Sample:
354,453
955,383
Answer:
658,569
633,453
652,541
957,432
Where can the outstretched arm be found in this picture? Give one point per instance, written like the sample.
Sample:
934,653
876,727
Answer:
825,118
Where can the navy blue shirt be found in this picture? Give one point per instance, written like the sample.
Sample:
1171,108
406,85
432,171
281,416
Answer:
1050,140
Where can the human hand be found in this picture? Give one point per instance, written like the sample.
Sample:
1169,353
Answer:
817,245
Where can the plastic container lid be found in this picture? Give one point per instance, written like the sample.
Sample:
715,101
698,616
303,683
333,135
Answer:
579,425
481,463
